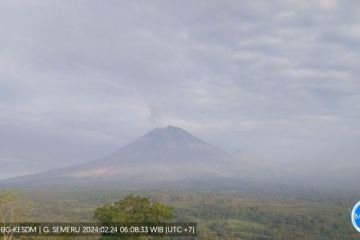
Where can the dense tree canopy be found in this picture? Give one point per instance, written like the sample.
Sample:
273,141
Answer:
134,209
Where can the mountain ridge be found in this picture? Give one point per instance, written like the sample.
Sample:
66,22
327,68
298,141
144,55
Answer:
163,154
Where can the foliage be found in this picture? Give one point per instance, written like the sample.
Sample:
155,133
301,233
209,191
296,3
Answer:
13,206
220,214
134,209
12,209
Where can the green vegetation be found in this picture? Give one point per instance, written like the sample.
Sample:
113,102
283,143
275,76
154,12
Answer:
231,214
12,209
134,209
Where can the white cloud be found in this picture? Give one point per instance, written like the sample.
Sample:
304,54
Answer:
245,74
328,4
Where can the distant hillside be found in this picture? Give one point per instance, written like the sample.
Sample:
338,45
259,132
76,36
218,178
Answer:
164,156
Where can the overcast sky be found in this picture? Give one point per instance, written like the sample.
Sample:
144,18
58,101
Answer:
79,79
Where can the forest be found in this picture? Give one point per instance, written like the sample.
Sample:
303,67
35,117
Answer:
254,214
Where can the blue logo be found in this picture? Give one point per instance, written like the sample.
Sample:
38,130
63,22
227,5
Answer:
355,217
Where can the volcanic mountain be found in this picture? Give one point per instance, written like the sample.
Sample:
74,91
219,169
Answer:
162,156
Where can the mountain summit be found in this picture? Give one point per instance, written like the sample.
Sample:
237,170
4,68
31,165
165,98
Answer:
168,137
170,133
166,145
162,155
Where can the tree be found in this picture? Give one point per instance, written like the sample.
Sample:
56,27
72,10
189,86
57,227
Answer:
134,209
11,209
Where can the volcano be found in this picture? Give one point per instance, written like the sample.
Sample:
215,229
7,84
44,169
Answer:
163,156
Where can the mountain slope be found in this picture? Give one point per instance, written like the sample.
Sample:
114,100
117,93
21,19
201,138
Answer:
161,156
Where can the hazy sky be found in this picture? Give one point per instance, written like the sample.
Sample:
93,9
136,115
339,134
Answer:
79,79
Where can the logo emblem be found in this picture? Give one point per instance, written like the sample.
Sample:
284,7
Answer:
355,217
